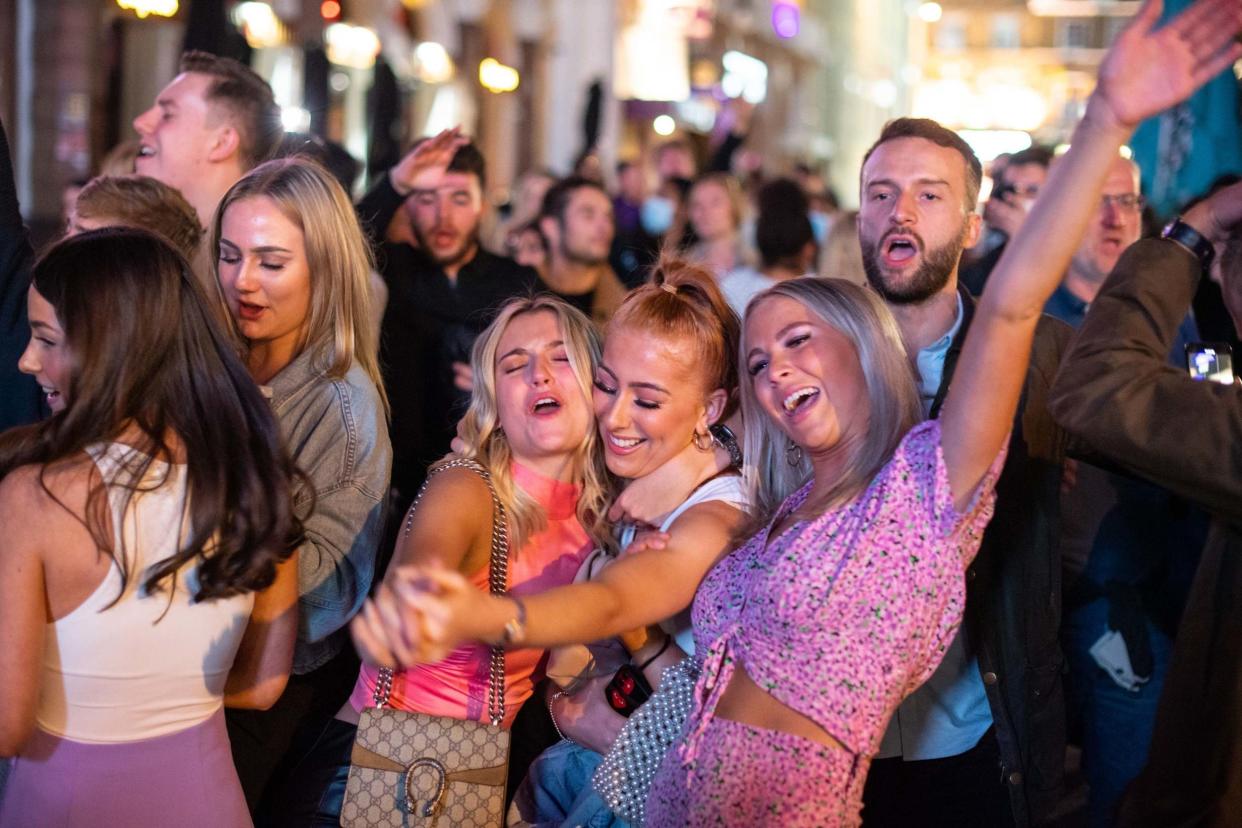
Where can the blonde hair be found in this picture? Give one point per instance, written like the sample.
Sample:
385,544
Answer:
339,259
485,440
895,407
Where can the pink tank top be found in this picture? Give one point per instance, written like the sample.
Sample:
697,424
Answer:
457,686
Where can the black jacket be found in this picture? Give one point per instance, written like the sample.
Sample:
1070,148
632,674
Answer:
1013,587
429,322
21,401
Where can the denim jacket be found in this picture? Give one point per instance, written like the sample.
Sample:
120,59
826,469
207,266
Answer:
336,433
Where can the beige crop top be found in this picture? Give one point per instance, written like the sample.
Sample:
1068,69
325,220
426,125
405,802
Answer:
151,664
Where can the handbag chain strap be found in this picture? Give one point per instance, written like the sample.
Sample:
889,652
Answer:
498,581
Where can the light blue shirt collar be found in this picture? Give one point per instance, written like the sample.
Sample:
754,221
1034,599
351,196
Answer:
930,361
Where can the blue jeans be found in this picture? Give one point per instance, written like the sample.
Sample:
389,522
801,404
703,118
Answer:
557,791
1117,724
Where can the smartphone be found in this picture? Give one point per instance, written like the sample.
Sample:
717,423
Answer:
1210,361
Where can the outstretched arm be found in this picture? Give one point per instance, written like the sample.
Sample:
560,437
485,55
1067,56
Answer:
434,610
1146,71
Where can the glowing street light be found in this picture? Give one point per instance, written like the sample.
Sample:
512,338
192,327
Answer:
142,8
353,46
664,125
496,77
433,62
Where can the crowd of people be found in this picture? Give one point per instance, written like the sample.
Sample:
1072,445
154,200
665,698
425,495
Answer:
722,505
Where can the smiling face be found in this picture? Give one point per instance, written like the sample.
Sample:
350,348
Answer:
264,273
648,400
446,220
47,357
540,403
1114,226
913,223
805,374
178,133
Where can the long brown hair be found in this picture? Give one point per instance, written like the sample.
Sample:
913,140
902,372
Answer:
146,353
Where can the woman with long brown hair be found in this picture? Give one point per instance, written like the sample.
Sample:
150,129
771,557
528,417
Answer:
146,576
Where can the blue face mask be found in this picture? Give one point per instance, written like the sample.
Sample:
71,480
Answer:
656,215
820,222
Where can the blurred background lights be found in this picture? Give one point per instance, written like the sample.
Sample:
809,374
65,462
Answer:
989,143
744,77
295,119
330,9
434,63
142,8
930,12
352,46
259,23
664,125
786,18
496,77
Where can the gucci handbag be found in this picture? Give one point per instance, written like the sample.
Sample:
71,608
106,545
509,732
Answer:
412,769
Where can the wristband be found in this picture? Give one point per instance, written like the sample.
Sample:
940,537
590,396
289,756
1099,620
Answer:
1188,237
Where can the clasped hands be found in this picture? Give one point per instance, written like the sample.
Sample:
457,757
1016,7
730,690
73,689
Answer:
417,616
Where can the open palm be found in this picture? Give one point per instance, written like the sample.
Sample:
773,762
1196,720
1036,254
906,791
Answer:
1148,70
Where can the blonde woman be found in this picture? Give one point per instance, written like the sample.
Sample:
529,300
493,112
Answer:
530,426
292,270
809,634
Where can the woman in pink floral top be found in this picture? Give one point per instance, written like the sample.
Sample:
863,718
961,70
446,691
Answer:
812,631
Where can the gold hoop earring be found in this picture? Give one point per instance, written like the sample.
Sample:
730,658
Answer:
704,438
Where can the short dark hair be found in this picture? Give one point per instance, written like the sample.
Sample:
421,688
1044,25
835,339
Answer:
933,131
556,200
1031,155
783,227
248,100
467,159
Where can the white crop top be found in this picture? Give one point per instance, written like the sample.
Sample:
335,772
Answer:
152,663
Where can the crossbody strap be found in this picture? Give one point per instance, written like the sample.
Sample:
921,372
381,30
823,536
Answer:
498,582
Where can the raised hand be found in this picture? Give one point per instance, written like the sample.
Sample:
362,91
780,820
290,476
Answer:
423,167
1148,70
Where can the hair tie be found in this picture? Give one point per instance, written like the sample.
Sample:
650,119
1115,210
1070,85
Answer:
670,288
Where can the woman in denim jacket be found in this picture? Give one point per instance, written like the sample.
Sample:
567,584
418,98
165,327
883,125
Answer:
293,269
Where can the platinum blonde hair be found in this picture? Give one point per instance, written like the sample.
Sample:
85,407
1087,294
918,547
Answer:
895,408
337,254
485,440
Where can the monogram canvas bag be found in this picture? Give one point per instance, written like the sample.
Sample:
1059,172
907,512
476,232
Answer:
411,769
